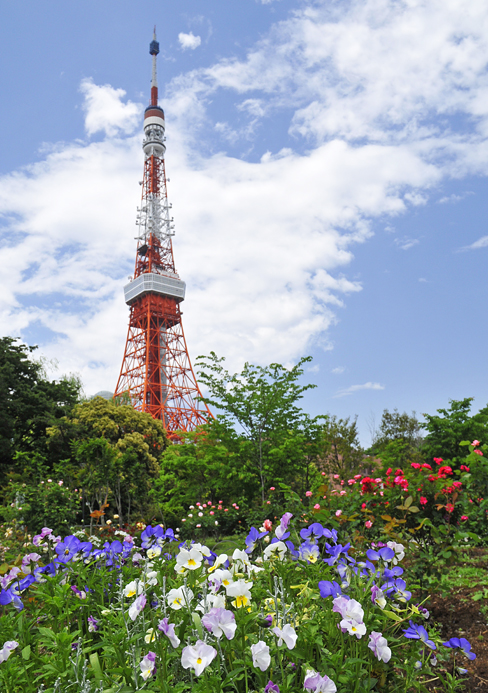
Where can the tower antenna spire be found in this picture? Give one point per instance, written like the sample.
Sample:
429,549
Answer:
156,374
154,50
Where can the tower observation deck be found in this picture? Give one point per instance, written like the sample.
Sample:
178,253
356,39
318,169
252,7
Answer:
156,374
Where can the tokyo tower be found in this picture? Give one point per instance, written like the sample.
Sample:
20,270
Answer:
156,374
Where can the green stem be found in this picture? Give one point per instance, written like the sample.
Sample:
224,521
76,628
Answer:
244,658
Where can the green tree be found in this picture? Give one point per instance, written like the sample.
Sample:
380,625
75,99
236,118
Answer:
398,440
201,468
29,402
341,450
262,402
111,452
455,424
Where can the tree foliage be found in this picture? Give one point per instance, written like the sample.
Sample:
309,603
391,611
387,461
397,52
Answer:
111,452
447,428
341,450
29,402
263,403
398,439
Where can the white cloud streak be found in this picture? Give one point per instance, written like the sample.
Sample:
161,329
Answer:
356,388
480,243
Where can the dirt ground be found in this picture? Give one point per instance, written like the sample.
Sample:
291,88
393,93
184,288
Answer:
458,615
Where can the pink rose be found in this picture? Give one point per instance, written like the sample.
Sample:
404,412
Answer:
478,452
475,443
316,506
368,524
308,493
338,513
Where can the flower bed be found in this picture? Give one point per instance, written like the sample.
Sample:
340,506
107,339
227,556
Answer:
296,609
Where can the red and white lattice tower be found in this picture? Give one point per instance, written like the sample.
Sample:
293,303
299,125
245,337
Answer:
156,373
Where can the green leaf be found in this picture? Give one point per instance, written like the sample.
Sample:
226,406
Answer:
95,663
26,652
408,502
198,623
413,509
392,615
47,633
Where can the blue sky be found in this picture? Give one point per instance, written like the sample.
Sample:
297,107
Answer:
328,170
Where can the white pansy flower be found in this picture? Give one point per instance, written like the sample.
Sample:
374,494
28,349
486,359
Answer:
353,627
188,560
7,649
241,591
204,550
287,634
150,635
399,550
211,601
240,556
220,577
198,657
133,588
261,658
152,578
137,606
278,549
178,598
148,665
154,551
220,560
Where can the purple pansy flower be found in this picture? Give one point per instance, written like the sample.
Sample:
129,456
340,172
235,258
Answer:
463,645
270,686
416,632
280,531
329,589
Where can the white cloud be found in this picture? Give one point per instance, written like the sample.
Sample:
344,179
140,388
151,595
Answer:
338,371
406,243
105,111
422,280
357,388
454,197
480,243
189,41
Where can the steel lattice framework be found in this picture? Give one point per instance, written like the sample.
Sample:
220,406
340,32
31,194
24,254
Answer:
156,374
